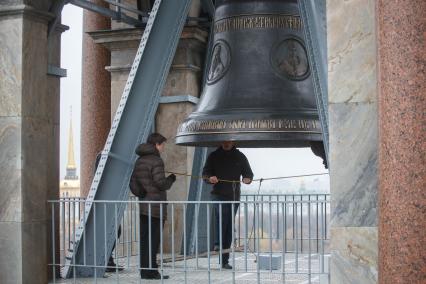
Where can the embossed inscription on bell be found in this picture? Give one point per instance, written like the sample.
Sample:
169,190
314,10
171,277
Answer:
259,90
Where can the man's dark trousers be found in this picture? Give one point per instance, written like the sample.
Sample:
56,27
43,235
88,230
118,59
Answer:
227,217
144,244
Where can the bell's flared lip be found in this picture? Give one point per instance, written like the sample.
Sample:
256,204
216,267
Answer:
250,139
244,132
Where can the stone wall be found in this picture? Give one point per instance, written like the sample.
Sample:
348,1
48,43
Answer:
352,83
29,140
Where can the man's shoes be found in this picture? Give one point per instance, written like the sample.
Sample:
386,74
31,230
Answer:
158,276
226,266
113,267
155,276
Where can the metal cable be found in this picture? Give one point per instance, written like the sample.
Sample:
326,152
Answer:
235,181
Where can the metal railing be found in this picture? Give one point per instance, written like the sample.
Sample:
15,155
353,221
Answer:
284,236
295,216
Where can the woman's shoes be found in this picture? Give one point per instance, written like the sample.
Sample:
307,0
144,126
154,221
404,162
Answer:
226,266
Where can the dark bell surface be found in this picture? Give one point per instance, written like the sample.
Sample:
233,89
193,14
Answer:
259,90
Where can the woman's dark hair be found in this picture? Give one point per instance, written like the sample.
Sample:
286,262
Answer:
156,138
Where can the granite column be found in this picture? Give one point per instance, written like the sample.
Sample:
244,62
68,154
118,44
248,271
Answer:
402,140
95,97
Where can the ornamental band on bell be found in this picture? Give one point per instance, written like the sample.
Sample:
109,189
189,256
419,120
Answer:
258,22
279,125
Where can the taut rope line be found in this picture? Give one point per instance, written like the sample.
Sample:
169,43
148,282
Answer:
255,180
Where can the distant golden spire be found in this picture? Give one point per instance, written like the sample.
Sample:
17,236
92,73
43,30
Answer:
71,161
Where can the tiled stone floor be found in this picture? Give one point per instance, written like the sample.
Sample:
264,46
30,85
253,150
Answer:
201,275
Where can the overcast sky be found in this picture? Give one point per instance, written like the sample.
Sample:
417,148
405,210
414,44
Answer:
71,85
265,162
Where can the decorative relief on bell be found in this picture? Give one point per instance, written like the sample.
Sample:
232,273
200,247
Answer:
289,59
221,59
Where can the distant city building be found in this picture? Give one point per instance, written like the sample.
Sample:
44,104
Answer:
302,187
70,185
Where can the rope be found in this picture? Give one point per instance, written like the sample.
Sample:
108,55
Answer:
200,177
236,181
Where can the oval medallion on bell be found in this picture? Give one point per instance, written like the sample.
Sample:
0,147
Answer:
259,90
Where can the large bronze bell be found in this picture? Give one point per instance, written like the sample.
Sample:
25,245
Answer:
259,90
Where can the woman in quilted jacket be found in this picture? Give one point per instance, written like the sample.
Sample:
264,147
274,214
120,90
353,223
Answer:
149,183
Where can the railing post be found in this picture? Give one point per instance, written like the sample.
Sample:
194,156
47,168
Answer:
53,244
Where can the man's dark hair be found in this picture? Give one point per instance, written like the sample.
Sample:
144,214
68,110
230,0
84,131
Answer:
156,138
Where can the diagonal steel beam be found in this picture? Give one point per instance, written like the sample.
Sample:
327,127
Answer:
131,125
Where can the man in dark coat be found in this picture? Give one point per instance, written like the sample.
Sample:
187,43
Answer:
149,183
226,163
